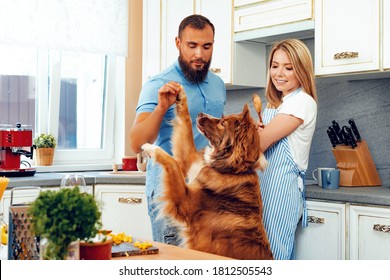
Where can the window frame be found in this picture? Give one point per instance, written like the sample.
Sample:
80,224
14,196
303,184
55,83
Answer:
47,120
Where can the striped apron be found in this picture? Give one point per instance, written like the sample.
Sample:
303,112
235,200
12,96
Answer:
283,197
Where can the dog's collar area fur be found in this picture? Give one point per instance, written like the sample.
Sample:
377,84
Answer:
231,171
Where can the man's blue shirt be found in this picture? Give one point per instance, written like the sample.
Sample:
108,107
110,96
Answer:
208,96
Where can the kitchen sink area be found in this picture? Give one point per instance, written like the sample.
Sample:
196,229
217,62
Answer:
124,173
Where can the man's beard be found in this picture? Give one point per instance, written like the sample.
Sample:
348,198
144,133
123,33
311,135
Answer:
192,75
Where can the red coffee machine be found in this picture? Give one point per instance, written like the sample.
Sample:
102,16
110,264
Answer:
13,141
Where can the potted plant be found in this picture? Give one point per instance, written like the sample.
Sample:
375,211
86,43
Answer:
45,145
62,217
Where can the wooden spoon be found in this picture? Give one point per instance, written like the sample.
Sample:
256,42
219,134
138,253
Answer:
257,104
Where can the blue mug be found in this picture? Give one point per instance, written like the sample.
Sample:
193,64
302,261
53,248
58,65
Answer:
330,179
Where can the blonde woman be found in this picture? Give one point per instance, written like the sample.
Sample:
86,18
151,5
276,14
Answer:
289,121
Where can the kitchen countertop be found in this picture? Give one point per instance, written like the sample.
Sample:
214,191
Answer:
357,195
166,252
91,178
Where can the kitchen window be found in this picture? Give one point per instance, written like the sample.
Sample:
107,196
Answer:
62,67
68,94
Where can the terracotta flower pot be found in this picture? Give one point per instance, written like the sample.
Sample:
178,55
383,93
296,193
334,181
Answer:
97,250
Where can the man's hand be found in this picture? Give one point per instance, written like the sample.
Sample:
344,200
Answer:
167,95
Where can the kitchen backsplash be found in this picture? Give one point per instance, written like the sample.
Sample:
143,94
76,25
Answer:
367,101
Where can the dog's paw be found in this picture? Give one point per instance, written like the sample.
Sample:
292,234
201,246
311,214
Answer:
181,97
149,149
263,163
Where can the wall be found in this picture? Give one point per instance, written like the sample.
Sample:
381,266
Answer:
367,101
133,69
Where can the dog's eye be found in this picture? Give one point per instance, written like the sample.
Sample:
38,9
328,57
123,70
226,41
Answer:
222,122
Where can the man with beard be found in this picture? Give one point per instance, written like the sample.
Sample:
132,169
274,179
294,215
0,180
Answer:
206,93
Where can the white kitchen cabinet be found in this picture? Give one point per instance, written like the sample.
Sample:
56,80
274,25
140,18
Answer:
250,15
324,238
124,209
386,35
238,64
219,12
347,36
267,21
172,13
369,233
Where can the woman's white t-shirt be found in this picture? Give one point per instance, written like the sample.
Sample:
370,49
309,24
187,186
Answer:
302,106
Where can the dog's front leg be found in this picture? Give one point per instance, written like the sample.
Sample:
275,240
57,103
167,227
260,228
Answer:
183,146
176,194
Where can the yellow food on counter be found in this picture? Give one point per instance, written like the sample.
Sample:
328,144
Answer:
120,237
4,234
143,245
3,185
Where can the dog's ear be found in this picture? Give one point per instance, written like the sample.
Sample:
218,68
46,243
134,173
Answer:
245,112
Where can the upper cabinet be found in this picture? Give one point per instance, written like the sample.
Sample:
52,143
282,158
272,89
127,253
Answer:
238,64
351,36
267,21
219,12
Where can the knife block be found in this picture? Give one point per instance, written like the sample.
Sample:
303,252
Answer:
357,168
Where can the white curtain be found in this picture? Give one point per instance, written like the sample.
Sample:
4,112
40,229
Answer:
95,26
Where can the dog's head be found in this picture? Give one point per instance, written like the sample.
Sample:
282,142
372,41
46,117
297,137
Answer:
234,140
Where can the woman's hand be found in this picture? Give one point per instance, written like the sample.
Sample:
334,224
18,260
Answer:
260,126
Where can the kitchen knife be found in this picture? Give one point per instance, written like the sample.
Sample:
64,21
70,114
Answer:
337,130
333,134
332,140
344,137
355,130
351,139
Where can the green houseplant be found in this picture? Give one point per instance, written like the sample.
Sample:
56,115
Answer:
45,145
45,141
62,217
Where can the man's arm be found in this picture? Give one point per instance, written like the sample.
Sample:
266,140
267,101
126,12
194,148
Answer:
146,125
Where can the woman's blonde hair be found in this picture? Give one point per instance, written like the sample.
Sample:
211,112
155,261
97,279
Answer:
302,64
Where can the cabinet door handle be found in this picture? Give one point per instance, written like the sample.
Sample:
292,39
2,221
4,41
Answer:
315,220
130,200
343,55
216,70
381,228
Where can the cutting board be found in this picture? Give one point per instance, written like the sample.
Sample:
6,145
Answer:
126,249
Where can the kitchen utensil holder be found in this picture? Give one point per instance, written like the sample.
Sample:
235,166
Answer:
357,168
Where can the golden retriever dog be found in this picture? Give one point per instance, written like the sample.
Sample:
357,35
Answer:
214,194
